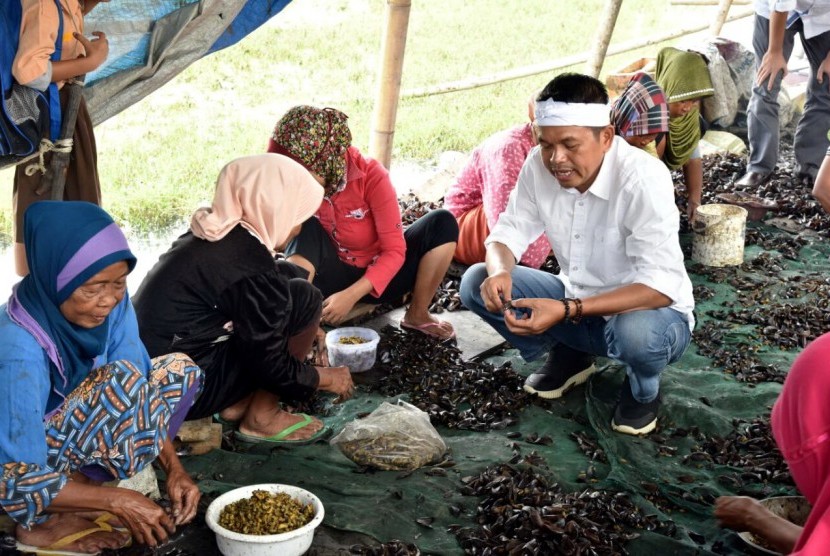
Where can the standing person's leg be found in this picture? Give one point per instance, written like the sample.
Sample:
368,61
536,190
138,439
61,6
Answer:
646,341
81,182
811,139
762,114
430,244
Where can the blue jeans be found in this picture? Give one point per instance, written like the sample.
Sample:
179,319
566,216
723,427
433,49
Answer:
645,341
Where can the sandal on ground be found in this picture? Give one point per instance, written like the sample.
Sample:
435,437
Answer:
280,437
56,549
428,329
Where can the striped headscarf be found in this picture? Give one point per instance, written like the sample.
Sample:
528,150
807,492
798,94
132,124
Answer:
317,138
641,109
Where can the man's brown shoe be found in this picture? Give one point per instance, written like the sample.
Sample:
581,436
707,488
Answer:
752,179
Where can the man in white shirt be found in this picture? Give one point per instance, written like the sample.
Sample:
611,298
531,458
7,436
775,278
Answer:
623,292
777,22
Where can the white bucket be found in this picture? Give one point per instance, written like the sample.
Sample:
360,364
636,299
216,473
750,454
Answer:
719,235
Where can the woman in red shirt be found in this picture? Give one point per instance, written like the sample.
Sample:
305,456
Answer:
356,248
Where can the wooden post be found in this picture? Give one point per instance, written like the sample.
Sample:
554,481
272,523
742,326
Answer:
389,81
609,20
720,17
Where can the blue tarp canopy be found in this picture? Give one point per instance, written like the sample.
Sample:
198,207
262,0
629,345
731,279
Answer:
151,41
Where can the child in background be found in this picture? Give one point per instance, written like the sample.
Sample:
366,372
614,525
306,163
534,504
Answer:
33,68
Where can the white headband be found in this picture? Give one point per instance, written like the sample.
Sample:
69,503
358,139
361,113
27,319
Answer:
551,113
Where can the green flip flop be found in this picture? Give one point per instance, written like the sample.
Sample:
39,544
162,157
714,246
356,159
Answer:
279,438
225,422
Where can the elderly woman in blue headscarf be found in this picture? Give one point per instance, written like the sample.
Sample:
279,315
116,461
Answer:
81,403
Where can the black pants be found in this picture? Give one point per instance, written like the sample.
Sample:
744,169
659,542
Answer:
435,228
225,381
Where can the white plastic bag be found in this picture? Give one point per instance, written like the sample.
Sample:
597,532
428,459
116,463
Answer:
392,437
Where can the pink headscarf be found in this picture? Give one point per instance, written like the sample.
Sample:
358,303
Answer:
268,194
801,427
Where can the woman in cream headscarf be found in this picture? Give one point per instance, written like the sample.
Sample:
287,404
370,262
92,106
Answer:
685,80
219,296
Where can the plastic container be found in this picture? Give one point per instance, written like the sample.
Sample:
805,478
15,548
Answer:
719,235
795,509
357,357
292,543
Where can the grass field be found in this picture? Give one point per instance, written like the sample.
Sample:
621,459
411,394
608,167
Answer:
159,158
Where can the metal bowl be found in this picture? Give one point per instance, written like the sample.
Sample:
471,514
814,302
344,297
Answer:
756,207
792,508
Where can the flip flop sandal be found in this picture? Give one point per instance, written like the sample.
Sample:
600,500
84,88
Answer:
280,437
56,548
225,422
426,329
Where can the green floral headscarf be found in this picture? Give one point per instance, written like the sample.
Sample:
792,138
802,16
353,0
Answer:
683,76
317,138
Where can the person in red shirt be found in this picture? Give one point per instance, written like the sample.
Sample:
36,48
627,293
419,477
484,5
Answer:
356,248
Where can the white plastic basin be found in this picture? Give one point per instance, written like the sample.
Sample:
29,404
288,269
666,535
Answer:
292,543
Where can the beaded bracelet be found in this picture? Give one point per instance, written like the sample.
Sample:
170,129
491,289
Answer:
578,316
567,305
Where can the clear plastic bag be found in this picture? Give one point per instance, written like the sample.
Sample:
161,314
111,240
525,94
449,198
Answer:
393,438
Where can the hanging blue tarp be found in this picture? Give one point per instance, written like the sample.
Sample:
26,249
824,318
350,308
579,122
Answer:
151,41
253,14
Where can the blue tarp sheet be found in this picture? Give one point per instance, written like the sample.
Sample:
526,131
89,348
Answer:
151,41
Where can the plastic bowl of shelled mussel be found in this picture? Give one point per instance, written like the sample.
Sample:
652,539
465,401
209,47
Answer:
265,519
354,347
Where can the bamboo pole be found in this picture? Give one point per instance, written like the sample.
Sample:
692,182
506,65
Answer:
389,81
609,20
559,64
720,17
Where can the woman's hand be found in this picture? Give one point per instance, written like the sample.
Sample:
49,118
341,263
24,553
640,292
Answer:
691,208
184,496
147,522
320,353
741,513
336,307
337,380
733,512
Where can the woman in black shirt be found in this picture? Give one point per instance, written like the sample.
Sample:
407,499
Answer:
219,296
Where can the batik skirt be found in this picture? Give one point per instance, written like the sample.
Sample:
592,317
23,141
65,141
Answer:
111,426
